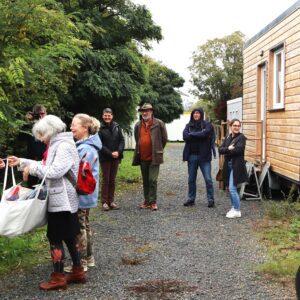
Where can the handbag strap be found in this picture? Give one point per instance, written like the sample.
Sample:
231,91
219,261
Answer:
41,184
6,175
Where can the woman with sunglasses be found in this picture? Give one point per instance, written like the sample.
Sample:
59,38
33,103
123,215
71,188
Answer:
234,169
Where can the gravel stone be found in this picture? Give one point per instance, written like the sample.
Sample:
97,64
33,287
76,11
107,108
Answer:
174,253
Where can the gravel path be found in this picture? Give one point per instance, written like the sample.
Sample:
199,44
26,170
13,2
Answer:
173,253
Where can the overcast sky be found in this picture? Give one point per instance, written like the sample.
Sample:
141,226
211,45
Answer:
190,23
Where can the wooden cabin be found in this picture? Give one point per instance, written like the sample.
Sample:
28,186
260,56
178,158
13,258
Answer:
271,95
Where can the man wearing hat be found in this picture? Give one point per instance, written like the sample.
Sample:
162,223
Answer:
151,137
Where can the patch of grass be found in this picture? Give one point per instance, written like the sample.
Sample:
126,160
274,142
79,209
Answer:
22,252
128,176
128,173
280,232
281,268
280,209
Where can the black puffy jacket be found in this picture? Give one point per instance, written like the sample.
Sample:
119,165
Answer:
112,140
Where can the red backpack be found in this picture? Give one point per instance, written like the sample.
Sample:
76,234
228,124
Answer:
86,182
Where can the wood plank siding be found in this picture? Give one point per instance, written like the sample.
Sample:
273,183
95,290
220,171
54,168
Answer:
282,125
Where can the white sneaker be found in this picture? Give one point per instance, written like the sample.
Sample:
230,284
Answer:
84,264
90,261
68,269
233,213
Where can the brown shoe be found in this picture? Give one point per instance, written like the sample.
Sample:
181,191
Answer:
57,282
105,207
154,206
76,276
113,205
145,205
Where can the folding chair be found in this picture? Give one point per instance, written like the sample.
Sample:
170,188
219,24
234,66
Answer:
251,169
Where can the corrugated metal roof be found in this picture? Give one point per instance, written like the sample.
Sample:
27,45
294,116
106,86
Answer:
275,22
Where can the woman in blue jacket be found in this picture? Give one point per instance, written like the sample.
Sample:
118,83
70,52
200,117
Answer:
85,131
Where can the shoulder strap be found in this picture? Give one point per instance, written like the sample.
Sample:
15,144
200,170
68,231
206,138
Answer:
69,175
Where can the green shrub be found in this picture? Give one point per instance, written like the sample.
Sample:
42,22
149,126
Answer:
280,209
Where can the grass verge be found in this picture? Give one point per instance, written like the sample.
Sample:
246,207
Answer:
23,252
280,233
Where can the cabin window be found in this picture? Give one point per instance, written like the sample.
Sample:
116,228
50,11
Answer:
278,79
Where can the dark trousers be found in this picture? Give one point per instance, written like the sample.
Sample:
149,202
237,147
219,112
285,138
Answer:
109,172
149,175
58,254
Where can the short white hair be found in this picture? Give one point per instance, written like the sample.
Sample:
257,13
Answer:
48,127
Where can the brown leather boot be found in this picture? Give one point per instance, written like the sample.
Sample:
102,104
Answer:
76,276
56,282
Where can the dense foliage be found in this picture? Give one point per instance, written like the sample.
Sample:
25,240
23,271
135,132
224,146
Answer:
160,91
112,73
39,57
77,56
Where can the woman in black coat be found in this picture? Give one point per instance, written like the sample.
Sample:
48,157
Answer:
110,156
234,169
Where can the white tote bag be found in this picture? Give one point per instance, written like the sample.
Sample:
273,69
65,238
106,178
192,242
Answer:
20,216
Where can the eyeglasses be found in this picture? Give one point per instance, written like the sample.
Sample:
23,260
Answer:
236,125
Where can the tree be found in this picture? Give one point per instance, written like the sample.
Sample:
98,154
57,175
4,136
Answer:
160,91
112,72
217,69
39,58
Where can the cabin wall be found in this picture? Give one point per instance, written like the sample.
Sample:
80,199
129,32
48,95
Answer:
282,126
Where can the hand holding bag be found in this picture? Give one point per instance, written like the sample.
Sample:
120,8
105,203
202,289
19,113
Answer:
20,216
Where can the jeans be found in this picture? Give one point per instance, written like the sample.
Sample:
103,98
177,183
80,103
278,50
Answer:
150,174
205,167
234,195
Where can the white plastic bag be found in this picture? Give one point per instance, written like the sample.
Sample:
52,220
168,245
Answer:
20,216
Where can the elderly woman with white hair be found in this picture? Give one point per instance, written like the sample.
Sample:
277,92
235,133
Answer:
60,162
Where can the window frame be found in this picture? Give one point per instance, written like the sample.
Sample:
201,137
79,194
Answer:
276,79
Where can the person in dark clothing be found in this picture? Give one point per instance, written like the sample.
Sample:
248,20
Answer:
197,135
110,156
35,148
234,169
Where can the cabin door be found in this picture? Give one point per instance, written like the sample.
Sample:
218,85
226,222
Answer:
263,118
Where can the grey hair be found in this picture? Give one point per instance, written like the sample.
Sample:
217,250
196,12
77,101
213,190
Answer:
48,127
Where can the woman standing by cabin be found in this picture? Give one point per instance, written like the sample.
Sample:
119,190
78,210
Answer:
234,169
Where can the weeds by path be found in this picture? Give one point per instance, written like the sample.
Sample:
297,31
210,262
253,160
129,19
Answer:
280,233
